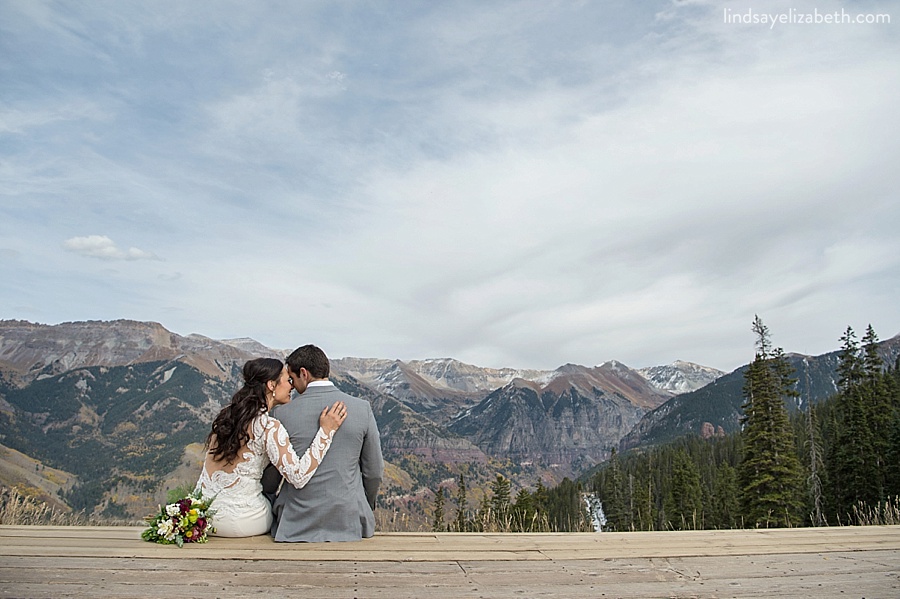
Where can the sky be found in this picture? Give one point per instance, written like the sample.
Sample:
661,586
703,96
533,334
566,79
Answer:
511,184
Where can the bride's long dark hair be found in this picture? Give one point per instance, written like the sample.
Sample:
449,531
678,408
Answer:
230,428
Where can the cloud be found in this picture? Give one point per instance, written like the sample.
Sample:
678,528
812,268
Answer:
104,248
23,120
513,184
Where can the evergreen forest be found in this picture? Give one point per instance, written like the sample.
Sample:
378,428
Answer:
833,463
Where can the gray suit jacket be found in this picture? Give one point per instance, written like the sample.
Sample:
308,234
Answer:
337,504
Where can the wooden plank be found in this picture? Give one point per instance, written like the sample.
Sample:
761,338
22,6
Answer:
109,562
48,541
375,550
527,540
182,565
314,555
202,577
642,579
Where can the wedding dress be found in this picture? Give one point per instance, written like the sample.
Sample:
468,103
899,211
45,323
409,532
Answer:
241,509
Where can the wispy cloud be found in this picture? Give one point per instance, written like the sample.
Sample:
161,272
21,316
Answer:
104,248
20,120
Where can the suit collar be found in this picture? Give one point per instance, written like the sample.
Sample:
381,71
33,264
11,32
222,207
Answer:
324,383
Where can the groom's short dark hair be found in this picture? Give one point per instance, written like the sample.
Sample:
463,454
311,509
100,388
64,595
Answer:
312,359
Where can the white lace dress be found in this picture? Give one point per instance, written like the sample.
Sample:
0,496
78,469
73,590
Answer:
241,508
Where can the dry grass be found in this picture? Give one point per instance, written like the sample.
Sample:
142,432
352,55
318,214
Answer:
489,521
884,513
19,509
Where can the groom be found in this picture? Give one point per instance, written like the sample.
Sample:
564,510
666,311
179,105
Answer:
338,502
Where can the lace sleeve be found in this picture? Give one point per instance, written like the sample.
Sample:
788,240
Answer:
296,471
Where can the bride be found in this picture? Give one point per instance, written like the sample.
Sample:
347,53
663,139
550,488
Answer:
242,442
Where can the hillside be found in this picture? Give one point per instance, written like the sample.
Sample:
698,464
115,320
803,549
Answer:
33,479
719,403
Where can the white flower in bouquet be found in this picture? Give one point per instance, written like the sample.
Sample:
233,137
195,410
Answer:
166,529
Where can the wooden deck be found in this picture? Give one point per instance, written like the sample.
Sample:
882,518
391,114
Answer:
39,561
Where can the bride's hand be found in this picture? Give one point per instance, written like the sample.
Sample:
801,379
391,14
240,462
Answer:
332,418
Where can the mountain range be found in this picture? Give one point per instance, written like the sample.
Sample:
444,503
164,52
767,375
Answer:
717,406
121,407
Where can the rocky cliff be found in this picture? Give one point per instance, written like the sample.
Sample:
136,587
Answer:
569,423
680,377
34,351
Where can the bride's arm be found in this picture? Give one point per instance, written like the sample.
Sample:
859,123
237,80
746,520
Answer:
299,471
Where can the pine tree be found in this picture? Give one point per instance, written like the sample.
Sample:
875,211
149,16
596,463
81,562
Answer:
850,368
500,498
892,459
438,522
872,363
815,467
613,497
769,474
540,498
892,456
725,504
853,472
876,395
814,459
683,503
462,508
643,514
524,514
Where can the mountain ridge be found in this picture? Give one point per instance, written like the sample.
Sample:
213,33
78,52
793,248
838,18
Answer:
568,423
129,388
35,350
719,403
136,389
151,341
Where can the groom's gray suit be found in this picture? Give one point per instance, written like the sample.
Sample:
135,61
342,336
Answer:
337,503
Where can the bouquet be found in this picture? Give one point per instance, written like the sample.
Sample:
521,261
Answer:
186,520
